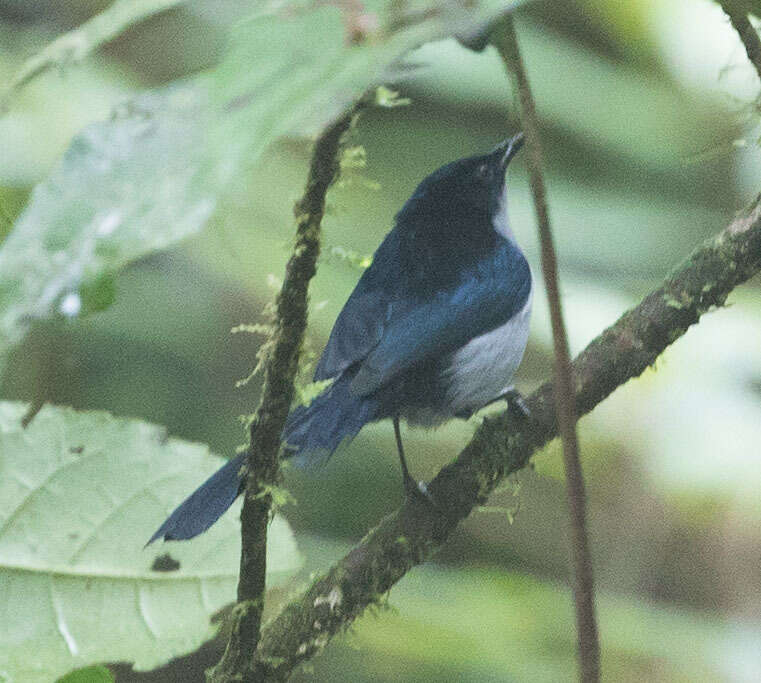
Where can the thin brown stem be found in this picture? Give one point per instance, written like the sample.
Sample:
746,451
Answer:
506,42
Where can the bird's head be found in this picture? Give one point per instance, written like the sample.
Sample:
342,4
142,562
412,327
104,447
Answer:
470,189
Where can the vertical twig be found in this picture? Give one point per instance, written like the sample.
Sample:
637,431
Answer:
506,42
277,394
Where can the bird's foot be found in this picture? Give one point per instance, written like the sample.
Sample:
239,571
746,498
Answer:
516,404
418,490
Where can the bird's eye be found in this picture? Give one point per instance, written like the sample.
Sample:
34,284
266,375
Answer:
482,171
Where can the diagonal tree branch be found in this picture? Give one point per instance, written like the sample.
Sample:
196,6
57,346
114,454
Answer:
280,369
504,444
506,42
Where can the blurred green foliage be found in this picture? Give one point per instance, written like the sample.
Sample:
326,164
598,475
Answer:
649,127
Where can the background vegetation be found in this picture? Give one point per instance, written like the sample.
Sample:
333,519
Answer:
650,135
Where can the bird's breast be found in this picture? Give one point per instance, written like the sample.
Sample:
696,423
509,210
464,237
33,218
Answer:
483,369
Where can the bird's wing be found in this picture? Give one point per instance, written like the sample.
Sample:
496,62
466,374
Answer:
385,329
492,294
355,334
359,327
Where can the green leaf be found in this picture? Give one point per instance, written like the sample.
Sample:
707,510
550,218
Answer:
153,173
80,493
90,674
99,294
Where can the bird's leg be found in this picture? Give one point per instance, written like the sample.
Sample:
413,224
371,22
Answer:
408,480
412,488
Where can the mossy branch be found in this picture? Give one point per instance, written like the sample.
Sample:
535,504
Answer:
280,367
72,47
504,444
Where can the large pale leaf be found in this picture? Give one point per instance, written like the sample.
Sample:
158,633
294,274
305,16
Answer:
152,174
80,493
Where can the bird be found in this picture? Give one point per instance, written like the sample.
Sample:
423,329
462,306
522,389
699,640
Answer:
435,329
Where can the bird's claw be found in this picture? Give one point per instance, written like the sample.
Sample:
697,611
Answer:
516,404
418,490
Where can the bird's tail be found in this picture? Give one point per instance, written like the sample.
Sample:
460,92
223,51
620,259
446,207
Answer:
311,435
205,505
313,432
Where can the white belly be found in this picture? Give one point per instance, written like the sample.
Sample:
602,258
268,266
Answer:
483,369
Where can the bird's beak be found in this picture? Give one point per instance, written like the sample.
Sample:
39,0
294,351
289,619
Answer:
507,149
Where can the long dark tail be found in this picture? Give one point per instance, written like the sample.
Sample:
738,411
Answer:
311,434
205,505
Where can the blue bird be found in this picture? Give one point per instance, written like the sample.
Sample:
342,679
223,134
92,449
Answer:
435,329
